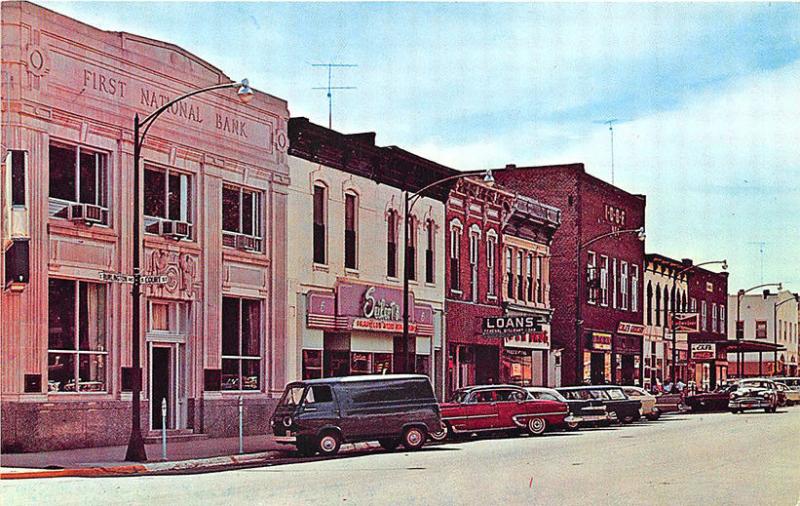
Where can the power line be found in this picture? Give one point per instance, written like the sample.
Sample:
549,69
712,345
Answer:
329,88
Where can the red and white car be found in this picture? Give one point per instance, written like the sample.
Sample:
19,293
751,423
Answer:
498,408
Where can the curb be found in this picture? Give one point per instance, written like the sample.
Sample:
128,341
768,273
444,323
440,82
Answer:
158,467
139,469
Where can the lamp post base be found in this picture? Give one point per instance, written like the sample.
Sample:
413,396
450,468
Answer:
136,451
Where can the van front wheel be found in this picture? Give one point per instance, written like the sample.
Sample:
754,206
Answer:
413,438
329,443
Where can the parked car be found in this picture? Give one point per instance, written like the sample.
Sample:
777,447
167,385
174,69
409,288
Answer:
754,394
792,395
496,408
715,400
614,399
649,408
319,415
671,403
793,382
581,411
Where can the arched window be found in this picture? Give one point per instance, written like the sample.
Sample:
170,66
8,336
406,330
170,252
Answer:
391,244
320,223
666,304
658,305
649,302
455,255
430,229
411,249
350,231
509,274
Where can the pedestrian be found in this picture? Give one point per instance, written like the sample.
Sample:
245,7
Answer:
668,387
680,385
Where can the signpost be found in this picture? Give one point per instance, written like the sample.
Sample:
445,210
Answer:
144,279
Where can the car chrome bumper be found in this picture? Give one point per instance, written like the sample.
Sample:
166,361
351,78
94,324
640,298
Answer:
286,439
587,418
749,403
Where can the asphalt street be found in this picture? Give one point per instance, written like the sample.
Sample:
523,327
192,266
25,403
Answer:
711,459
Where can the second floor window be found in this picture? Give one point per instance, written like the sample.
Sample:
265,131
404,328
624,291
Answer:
473,265
529,276
540,279
455,255
722,328
614,283
649,303
167,196
713,317
658,306
703,316
623,284
391,245
411,249
634,288
429,265
603,280
592,280
520,285
77,175
491,245
350,236
509,274
241,218
319,224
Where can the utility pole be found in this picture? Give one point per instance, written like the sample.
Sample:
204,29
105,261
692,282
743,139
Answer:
329,87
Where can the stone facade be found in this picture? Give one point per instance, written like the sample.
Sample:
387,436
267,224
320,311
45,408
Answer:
72,92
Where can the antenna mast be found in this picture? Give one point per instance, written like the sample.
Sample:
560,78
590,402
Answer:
610,124
328,88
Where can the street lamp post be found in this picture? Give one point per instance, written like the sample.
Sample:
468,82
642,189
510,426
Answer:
795,298
136,451
578,322
739,295
410,200
672,313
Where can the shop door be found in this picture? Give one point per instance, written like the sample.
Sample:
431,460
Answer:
167,368
598,369
628,370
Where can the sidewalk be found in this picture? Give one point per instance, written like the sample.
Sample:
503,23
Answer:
107,460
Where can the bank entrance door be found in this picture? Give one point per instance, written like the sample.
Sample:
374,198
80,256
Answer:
167,371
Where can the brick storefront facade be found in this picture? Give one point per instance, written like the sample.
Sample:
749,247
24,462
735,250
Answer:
708,295
589,208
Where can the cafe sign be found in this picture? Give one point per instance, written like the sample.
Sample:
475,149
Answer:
510,325
704,351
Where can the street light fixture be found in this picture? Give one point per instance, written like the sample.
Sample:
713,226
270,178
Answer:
740,337
640,234
410,200
724,266
136,451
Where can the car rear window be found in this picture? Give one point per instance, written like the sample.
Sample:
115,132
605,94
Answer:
616,395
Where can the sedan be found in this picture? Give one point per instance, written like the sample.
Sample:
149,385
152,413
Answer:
493,408
581,411
754,394
648,400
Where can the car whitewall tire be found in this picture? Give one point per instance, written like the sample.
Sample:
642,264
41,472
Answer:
441,434
536,426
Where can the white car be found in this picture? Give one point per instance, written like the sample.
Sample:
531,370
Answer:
648,400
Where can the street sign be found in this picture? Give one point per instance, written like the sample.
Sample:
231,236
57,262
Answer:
118,277
153,280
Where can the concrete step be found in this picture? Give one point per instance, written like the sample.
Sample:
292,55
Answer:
179,435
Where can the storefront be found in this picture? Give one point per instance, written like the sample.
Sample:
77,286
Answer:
358,329
628,353
525,356
597,358
708,366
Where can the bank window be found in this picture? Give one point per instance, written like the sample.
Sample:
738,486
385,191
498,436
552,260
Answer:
241,218
78,176
623,284
77,352
167,197
592,280
312,364
429,264
350,228
603,280
634,288
491,246
16,185
241,344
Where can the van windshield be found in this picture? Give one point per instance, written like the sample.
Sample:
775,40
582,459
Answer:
293,396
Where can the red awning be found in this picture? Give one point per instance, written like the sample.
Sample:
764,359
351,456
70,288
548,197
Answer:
750,346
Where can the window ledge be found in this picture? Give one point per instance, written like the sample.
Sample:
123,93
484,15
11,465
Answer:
320,267
430,285
457,292
413,282
393,278
351,272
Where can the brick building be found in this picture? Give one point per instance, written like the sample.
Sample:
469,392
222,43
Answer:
498,306
706,360
214,205
610,330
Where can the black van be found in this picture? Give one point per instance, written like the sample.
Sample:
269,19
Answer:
319,415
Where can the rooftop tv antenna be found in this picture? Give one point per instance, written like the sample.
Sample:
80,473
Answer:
329,88
610,123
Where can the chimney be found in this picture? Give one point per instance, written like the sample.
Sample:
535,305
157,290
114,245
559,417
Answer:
511,166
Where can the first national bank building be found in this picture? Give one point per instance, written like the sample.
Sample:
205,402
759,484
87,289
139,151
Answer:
214,179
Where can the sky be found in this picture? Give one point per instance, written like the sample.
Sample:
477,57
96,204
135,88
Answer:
707,97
